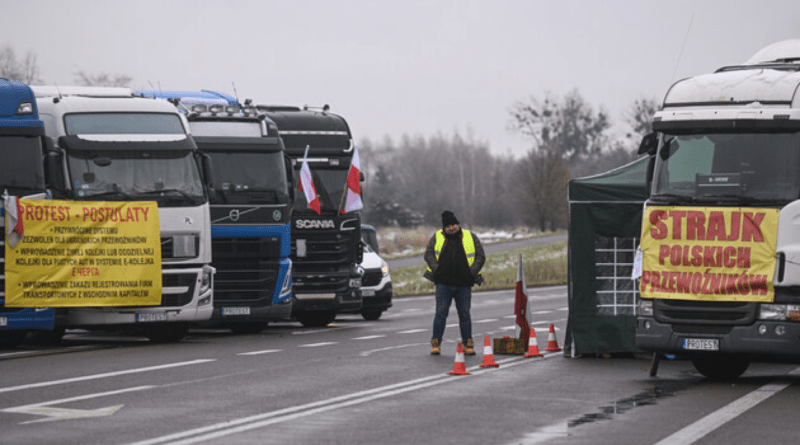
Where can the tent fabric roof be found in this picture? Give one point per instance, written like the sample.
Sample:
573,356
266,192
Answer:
626,183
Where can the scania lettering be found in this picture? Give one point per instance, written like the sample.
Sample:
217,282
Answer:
326,250
720,249
112,146
22,175
250,208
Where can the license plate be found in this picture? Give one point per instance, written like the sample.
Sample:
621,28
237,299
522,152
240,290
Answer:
367,293
146,318
236,310
701,344
3,321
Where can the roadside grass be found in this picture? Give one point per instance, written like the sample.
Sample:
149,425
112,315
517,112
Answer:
544,266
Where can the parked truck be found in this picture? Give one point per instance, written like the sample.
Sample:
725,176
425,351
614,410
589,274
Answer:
22,175
250,208
112,146
326,250
720,245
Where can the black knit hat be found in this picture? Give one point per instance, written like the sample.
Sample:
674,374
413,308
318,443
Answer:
448,218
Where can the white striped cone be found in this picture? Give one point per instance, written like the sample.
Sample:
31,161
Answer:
552,343
459,367
488,355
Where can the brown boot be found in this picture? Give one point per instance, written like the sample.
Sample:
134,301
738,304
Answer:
436,346
469,348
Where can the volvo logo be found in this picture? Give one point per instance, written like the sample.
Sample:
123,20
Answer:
276,215
234,215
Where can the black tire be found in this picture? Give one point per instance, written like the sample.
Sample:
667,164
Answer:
46,338
12,338
249,328
371,315
721,366
316,319
166,332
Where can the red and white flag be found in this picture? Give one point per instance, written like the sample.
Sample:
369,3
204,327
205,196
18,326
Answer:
15,229
353,186
521,305
306,185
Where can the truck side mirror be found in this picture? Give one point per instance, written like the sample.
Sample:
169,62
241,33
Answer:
649,144
289,176
54,171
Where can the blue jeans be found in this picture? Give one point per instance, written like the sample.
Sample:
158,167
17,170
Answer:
444,295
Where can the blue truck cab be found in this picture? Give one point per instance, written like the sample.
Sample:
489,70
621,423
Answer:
22,174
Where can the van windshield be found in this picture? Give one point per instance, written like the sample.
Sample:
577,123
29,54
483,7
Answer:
729,167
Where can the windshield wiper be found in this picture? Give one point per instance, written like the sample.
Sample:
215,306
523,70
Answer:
180,192
109,193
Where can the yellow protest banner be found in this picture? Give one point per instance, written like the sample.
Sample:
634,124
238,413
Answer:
709,253
85,253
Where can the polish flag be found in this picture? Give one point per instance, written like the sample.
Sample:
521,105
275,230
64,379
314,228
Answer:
521,305
14,227
306,185
353,186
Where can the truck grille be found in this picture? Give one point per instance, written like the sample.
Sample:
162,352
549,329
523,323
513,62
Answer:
326,266
247,269
704,312
371,277
178,280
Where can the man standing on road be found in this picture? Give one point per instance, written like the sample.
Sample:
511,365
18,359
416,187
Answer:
455,258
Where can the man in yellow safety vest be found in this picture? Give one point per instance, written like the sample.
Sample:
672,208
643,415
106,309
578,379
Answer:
455,258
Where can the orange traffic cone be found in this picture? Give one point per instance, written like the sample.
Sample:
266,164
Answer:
459,367
533,345
488,355
552,343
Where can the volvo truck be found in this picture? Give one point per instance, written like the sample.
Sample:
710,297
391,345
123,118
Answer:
112,146
22,175
326,250
720,242
250,208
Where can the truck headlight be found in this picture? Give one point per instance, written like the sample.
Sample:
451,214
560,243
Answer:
384,268
779,312
205,280
645,308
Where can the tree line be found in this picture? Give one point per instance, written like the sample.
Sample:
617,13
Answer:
411,181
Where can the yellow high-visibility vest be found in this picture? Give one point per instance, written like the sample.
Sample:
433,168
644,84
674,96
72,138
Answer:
466,240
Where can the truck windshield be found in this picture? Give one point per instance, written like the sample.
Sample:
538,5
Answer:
21,169
123,123
729,167
249,177
170,177
329,184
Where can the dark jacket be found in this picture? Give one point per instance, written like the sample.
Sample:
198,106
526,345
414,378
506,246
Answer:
452,267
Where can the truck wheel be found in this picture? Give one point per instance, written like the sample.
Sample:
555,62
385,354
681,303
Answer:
166,333
721,367
371,315
11,339
316,319
249,328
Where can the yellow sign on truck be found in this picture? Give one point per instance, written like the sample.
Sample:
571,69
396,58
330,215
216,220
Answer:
85,253
709,253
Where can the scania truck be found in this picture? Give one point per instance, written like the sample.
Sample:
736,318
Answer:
326,250
112,146
720,242
250,208
22,175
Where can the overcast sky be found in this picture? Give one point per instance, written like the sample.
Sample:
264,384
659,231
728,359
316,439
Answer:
401,67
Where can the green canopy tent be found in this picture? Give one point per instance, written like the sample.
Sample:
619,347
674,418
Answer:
605,220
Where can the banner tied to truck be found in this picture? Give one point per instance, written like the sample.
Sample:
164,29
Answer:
87,253
709,254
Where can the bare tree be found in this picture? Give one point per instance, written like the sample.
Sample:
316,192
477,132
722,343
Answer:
102,79
541,187
640,117
25,70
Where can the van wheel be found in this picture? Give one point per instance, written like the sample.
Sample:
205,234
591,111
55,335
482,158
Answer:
316,319
721,366
371,315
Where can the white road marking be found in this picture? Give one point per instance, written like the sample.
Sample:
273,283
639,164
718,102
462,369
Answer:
104,375
487,320
316,345
43,408
391,348
265,351
510,316
541,312
369,337
234,426
411,331
709,423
